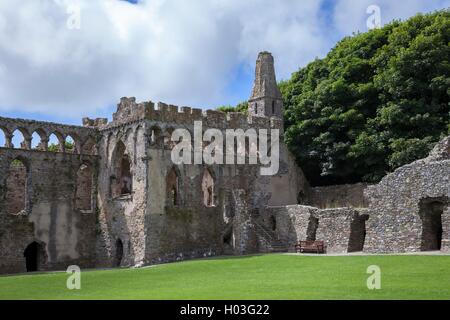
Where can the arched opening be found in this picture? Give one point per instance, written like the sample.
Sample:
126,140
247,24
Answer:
208,189
18,139
70,145
35,141
119,253
83,199
273,223
34,256
55,143
156,137
121,180
16,187
39,140
228,241
273,107
173,187
2,137
431,210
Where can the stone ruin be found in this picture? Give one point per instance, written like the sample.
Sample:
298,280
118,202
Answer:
114,197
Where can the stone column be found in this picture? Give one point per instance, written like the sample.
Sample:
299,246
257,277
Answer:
8,141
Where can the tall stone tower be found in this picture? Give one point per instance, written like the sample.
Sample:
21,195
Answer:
266,100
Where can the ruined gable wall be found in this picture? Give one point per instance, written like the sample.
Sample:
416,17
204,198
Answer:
50,217
395,224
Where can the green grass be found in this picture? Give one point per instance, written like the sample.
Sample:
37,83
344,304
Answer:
275,276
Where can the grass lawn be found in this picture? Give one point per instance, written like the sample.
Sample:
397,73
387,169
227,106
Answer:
274,276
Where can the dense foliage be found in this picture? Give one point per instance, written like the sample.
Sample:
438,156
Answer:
53,147
377,101
241,107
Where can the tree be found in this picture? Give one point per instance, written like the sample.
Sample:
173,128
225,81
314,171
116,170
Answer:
377,101
241,107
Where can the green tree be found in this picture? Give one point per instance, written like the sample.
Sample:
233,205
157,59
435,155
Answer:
241,107
377,101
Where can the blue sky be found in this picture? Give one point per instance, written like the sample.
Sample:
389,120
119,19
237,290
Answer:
197,53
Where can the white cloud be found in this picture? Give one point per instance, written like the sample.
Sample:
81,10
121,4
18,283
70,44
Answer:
350,15
177,51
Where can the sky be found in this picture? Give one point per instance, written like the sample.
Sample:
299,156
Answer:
61,60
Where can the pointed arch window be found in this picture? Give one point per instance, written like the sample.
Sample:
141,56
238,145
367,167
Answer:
17,183
121,178
208,189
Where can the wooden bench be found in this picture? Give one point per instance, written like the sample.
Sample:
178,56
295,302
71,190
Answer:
310,246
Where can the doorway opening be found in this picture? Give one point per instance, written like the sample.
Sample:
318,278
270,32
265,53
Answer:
431,210
357,233
119,252
32,256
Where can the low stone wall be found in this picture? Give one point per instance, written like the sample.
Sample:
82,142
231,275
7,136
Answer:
338,196
342,229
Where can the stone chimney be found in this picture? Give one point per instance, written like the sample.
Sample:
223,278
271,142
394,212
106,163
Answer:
266,100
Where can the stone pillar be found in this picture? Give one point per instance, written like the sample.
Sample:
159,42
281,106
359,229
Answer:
43,145
8,141
26,144
245,241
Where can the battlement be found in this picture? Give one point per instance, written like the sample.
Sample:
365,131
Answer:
128,110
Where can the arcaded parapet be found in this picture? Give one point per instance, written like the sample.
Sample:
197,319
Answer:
409,208
84,138
337,196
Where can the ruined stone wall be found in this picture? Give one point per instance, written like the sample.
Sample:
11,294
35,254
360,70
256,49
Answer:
337,196
50,216
395,223
122,216
334,227
16,182
341,229
154,228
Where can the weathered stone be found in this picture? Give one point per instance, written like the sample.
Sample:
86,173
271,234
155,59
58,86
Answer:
117,199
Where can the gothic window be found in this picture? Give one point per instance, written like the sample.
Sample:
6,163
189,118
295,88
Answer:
16,186
173,187
83,199
121,179
208,189
273,107
18,139
2,137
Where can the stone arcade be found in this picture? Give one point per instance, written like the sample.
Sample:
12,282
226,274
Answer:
116,199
